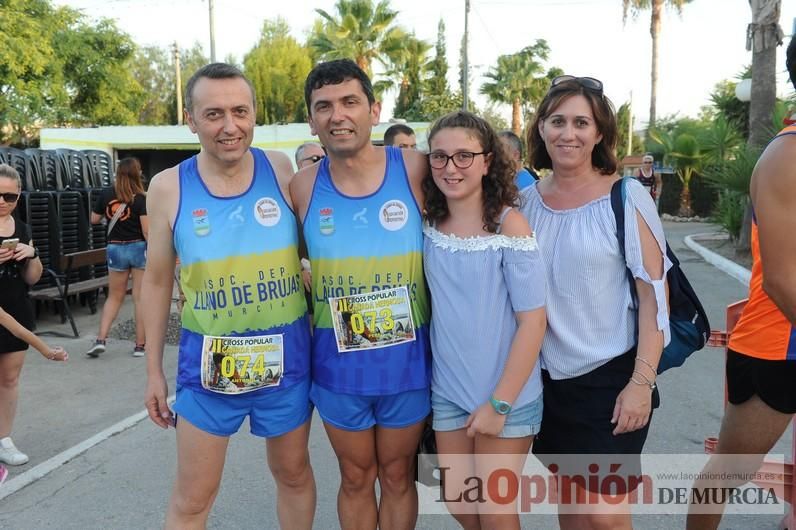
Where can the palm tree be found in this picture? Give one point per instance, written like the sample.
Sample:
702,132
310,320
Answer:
518,78
682,151
408,67
766,36
360,31
635,6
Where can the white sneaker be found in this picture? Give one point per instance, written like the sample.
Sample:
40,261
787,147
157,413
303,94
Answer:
96,348
10,454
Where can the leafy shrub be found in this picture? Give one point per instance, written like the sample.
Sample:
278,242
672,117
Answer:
729,212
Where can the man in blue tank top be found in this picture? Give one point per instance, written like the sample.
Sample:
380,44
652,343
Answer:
227,214
370,357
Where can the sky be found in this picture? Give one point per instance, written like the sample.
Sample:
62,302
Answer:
704,45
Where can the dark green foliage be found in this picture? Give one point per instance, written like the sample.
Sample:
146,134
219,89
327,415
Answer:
277,67
703,195
670,195
58,67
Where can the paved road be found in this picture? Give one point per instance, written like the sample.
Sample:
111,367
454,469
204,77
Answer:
124,481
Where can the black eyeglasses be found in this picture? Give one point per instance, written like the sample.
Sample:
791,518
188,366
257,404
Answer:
313,158
462,159
10,197
589,83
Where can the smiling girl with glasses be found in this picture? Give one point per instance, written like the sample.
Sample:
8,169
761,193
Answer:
487,304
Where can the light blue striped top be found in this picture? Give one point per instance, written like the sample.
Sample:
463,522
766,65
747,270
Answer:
477,284
590,314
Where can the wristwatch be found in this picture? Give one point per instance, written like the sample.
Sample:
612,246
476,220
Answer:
500,406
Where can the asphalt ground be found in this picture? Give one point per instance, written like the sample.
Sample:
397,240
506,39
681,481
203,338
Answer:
123,480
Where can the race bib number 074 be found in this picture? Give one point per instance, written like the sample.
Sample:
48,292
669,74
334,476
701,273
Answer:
372,320
234,365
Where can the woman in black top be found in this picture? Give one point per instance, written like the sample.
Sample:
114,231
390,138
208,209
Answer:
125,202
19,267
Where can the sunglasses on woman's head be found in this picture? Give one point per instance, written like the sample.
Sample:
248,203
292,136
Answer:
589,83
10,197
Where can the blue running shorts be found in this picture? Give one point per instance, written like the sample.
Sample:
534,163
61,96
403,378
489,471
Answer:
357,413
271,414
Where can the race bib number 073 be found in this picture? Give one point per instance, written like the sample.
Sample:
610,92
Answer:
372,320
234,365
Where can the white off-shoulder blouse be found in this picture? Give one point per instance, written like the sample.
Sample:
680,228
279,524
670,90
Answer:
590,313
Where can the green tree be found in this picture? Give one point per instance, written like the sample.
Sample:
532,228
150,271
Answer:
518,77
278,66
623,126
686,158
32,92
492,115
410,66
437,83
656,8
436,97
725,103
431,106
359,30
98,75
153,69
58,67
731,178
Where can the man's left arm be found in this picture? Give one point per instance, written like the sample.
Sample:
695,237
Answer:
417,169
774,200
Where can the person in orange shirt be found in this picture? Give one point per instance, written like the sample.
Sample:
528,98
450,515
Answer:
761,358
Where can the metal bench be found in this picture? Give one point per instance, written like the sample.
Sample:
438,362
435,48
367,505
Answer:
65,286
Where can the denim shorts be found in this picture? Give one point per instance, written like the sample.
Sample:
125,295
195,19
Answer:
271,414
357,413
521,422
125,256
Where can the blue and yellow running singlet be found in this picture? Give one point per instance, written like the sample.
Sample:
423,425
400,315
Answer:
366,255
240,274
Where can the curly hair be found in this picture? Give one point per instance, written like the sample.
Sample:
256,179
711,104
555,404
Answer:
498,185
603,157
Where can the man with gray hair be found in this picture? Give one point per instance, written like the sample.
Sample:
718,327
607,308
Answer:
244,351
309,153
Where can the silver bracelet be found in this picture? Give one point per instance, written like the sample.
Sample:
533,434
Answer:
646,382
645,361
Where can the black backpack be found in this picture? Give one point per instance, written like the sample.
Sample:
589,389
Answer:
688,322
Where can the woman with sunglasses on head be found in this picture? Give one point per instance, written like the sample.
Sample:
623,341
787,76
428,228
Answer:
487,294
599,379
20,267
